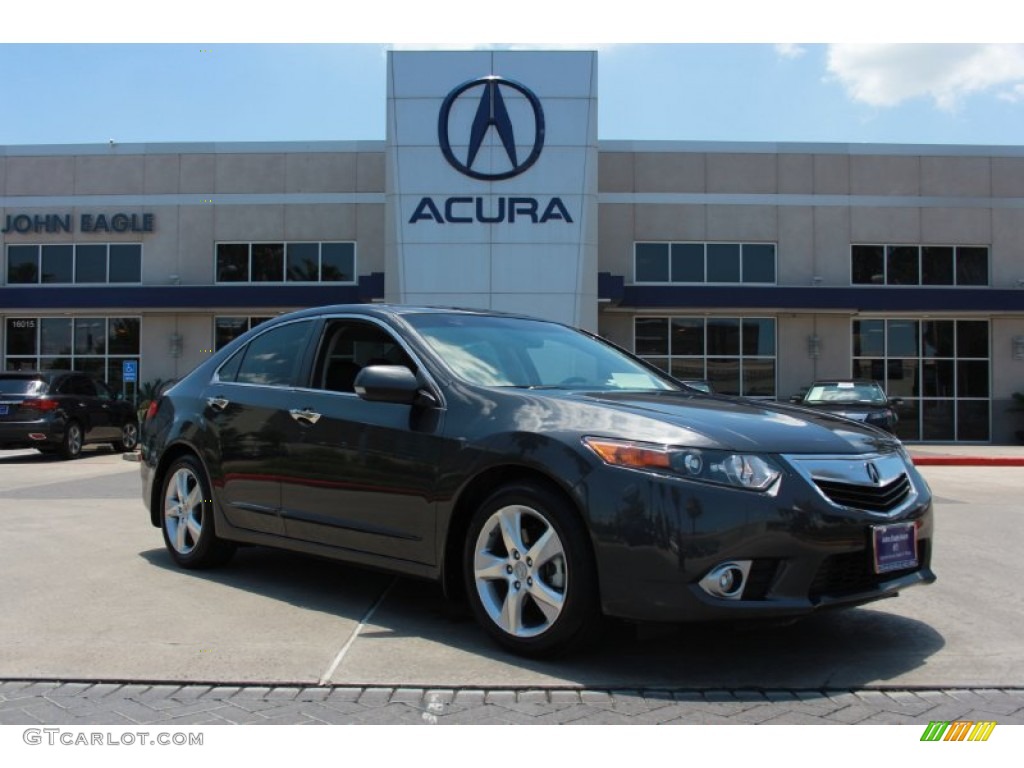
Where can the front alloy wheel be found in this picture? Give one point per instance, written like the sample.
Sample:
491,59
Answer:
188,518
529,572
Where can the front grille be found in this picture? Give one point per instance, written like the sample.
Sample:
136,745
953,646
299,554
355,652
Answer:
876,498
853,572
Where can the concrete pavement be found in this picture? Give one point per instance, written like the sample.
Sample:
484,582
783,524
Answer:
99,624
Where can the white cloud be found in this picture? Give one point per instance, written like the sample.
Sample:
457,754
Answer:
886,75
790,50
1014,94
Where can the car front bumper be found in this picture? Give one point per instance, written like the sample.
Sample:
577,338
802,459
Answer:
656,538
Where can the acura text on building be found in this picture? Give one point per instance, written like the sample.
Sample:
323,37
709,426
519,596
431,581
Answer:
467,210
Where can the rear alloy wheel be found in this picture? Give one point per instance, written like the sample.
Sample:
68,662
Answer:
129,437
529,572
71,446
187,518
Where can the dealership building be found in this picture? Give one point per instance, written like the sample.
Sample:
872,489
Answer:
757,266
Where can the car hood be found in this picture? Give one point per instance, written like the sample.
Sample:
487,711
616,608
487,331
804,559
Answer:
745,425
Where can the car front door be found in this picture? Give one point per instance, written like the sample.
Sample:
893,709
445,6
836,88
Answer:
361,474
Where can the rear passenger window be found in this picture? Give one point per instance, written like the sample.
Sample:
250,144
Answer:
273,358
229,370
79,385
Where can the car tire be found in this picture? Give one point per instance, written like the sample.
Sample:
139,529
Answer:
186,517
529,572
71,445
129,437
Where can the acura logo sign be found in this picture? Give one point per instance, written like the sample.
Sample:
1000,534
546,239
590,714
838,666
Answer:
491,115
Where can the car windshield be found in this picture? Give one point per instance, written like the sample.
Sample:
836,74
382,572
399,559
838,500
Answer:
846,392
20,385
516,352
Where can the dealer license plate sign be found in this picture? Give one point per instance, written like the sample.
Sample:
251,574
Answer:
895,547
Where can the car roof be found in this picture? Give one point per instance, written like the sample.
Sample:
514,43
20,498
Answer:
398,310
822,382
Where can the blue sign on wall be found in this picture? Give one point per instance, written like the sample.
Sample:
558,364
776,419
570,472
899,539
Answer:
130,370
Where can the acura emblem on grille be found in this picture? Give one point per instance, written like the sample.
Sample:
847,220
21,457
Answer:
872,472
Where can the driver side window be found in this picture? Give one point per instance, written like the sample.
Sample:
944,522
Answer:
348,346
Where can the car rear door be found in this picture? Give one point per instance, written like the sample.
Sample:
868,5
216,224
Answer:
80,401
248,422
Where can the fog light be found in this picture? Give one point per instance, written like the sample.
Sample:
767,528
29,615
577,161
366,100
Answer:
726,580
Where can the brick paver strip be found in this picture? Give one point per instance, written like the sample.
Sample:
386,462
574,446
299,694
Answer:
28,702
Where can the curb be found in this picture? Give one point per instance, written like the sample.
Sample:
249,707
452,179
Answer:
967,461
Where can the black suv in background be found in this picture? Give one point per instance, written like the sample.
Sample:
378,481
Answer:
60,411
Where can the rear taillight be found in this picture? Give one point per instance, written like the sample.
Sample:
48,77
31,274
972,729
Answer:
154,406
42,404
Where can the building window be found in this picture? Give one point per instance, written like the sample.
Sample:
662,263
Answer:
940,368
919,265
227,329
68,263
94,345
689,263
735,354
286,262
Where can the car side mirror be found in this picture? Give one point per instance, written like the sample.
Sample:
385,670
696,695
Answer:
388,384
795,399
896,402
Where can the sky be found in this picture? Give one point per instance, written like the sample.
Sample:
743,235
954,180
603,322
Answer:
106,71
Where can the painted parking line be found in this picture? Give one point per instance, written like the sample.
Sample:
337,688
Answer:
325,678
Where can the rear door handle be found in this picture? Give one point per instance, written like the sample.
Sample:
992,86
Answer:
218,403
305,415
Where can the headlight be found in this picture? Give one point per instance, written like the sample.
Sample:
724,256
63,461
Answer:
741,470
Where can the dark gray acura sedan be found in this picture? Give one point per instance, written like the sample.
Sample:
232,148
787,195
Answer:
549,476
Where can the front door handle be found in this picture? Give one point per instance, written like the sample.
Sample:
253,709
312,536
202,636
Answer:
218,403
305,415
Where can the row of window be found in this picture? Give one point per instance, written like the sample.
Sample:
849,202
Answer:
91,263
286,262
95,345
941,368
66,263
705,263
919,265
736,355
755,264
680,263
